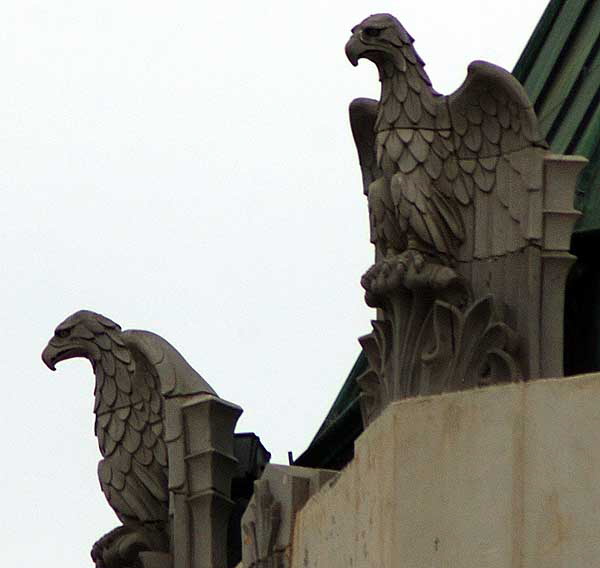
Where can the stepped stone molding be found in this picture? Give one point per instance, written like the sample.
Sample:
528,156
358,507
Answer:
201,445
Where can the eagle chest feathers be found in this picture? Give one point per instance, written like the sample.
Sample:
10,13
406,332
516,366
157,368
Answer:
129,415
408,117
414,147
129,427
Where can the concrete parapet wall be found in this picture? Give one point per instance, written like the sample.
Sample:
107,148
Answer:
506,476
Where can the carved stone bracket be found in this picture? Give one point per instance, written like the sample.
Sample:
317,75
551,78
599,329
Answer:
268,522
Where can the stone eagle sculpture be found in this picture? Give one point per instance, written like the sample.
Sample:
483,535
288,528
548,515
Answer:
470,231
136,371
439,171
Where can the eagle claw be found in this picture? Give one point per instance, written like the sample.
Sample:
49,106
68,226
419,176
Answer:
392,272
412,271
120,547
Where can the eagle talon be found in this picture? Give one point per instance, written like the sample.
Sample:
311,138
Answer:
121,546
387,274
410,270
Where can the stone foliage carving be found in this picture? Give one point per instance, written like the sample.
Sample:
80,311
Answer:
430,345
166,440
262,531
460,212
268,522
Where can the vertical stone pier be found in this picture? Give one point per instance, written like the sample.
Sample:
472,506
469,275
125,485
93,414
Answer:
559,217
201,443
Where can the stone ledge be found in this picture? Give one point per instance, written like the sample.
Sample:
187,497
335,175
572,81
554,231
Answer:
498,477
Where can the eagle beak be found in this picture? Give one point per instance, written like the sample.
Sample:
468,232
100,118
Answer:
49,357
54,354
354,49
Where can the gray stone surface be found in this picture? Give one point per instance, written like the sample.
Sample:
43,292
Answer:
268,521
498,477
167,444
471,220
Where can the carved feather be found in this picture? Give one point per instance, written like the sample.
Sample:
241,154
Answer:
419,147
363,114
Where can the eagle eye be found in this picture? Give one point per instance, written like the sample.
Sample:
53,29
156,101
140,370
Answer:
372,32
63,333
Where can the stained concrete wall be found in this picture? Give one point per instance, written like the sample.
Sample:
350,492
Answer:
506,476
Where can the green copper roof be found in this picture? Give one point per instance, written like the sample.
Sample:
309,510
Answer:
333,445
560,69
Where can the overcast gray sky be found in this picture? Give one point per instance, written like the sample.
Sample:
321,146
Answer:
188,168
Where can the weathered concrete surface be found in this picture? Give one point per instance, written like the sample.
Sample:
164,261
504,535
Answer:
507,476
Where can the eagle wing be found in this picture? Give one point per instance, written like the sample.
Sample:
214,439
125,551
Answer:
495,170
363,115
175,375
384,228
470,187
133,474
175,379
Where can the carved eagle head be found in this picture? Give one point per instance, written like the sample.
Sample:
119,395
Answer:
377,38
80,335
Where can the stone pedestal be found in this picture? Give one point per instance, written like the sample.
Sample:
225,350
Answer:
498,477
